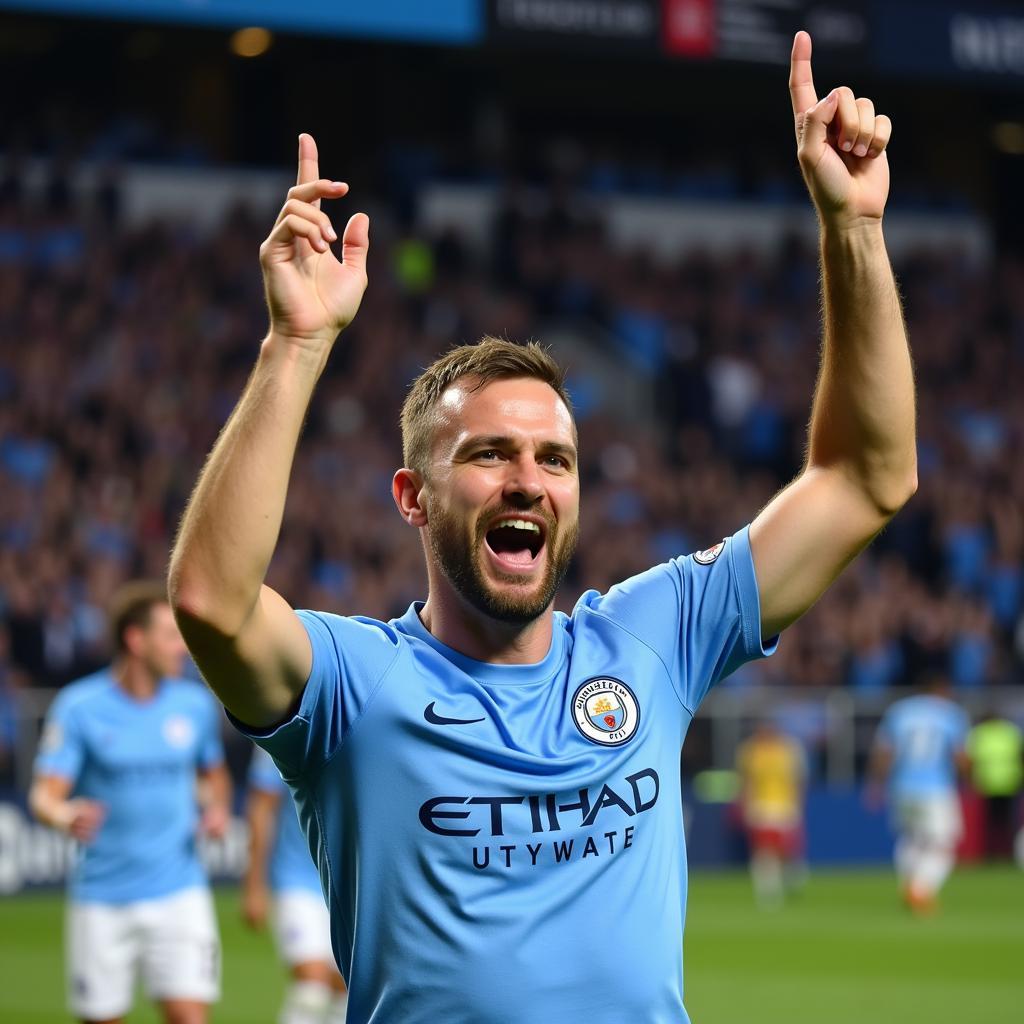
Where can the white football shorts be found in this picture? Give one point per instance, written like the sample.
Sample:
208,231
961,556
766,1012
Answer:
933,819
172,942
302,927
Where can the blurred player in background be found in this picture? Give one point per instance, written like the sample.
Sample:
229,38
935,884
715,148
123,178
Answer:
995,747
493,788
130,765
280,866
919,755
773,772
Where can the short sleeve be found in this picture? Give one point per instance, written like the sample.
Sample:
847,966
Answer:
61,746
351,656
211,748
700,613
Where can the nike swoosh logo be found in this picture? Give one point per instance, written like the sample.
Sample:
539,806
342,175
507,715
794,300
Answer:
435,719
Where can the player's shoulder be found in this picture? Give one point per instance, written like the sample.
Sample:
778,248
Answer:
675,573
660,592
351,629
913,705
83,693
943,707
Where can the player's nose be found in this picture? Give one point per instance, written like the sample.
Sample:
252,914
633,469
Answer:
523,481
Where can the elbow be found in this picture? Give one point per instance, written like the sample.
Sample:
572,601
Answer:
187,600
200,615
894,496
204,605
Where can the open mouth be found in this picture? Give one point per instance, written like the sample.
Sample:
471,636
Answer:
515,543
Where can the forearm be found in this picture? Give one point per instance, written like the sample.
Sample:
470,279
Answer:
215,789
233,519
50,809
863,418
260,821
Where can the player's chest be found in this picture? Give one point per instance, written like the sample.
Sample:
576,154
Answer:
141,746
590,720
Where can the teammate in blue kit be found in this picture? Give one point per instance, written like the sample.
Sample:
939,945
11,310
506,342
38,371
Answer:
490,789
920,754
121,754
279,863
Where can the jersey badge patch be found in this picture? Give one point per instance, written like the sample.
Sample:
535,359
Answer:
178,731
708,555
606,711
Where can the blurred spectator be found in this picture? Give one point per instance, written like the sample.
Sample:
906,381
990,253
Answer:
125,348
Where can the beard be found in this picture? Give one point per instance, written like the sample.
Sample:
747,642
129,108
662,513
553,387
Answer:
460,559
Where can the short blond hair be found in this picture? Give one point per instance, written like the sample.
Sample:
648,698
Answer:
490,359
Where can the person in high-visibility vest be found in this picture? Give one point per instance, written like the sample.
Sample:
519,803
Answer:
996,749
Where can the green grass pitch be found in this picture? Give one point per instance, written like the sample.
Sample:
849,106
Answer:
844,952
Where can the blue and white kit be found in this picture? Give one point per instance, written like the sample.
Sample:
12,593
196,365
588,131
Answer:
924,733
139,759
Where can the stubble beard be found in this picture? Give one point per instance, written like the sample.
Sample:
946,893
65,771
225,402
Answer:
461,560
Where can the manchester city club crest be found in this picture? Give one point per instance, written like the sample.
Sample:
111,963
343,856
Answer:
606,711
178,731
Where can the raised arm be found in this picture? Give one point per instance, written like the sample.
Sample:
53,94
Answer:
249,644
861,462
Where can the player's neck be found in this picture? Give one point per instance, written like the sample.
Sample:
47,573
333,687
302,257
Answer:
135,678
463,628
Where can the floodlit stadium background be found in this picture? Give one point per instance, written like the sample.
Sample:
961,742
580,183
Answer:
613,177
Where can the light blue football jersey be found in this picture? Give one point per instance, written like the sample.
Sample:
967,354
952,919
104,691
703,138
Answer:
139,759
923,733
291,866
503,844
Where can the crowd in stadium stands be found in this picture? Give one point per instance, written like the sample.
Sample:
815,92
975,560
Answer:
124,350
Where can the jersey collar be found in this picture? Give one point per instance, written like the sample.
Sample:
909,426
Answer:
411,625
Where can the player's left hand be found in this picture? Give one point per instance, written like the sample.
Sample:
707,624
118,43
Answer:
840,144
215,821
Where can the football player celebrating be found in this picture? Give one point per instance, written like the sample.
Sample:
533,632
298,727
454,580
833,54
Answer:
491,787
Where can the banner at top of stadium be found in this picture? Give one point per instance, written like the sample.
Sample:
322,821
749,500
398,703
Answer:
979,39
928,37
439,21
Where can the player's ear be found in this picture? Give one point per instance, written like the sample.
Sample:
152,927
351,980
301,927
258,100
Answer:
406,489
132,639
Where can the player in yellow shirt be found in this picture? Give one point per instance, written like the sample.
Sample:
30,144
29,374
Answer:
773,772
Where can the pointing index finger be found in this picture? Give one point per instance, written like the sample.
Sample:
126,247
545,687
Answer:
309,165
801,81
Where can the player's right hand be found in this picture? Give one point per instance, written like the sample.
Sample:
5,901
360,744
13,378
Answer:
311,294
84,819
255,905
